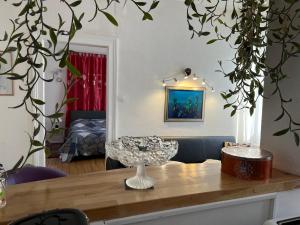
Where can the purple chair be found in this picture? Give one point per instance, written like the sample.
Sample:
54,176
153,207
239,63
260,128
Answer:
30,174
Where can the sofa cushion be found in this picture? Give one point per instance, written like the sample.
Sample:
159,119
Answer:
214,144
190,150
198,149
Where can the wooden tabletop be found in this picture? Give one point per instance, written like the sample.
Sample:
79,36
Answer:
102,196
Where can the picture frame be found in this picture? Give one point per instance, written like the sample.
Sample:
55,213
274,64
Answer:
184,104
6,85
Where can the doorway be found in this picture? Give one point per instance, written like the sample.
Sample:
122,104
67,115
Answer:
93,45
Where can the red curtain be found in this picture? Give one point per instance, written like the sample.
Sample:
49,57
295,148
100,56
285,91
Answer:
90,90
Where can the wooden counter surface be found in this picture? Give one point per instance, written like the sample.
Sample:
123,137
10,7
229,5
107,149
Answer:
102,196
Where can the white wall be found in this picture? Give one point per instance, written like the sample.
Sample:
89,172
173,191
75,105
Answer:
150,51
159,49
286,153
14,123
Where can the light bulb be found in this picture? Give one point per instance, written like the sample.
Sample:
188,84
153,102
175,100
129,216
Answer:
164,84
203,82
195,77
186,77
213,90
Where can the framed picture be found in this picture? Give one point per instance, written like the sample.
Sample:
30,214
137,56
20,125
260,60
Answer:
184,104
6,85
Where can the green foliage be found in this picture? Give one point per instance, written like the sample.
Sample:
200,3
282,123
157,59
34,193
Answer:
254,25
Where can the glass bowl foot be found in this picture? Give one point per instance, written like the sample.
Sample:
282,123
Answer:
140,180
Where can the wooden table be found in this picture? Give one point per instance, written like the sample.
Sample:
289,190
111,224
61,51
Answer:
102,196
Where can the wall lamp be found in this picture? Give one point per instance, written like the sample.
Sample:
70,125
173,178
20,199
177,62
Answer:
168,80
187,74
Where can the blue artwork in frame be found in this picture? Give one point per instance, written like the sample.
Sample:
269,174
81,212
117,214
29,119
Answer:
184,104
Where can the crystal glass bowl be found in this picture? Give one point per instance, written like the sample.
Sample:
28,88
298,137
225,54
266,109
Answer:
141,151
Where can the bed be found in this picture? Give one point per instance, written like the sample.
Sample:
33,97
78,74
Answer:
86,135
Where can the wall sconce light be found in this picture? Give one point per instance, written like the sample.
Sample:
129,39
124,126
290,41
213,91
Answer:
187,72
169,79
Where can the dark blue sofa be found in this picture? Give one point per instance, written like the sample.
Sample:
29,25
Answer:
191,149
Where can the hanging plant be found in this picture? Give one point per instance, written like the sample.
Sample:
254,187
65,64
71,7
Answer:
253,26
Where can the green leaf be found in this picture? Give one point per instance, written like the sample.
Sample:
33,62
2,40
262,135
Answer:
35,115
81,16
16,166
188,2
77,24
251,111
154,5
25,9
63,61
70,100
74,71
36,130
11,49
212,41
17,4
223,94
147,16
56,115
203,19
36,143
227,106
5,36
38,101
233,112
53,36
2,60
297,139
282,132
110,18
233,14
205,33
140,3
76,3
